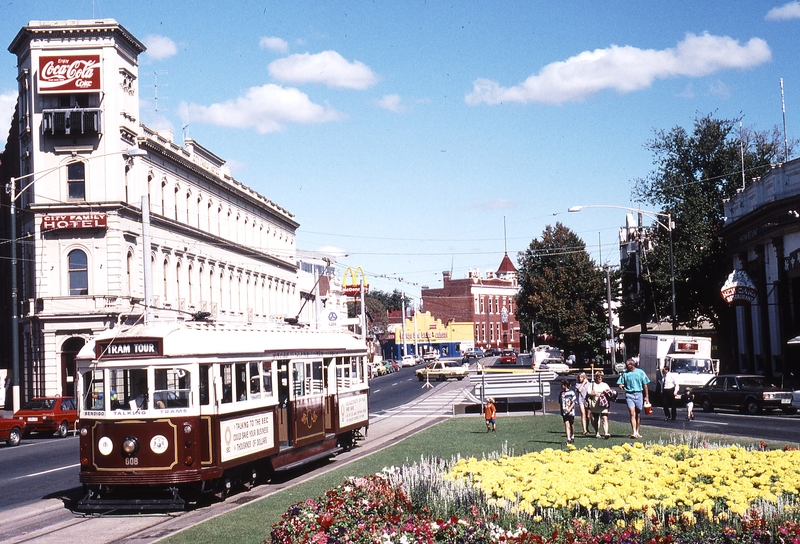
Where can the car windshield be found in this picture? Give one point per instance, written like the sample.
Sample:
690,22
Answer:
697,366
39,404
452,364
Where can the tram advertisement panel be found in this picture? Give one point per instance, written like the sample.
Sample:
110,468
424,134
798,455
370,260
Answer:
352,410
246,435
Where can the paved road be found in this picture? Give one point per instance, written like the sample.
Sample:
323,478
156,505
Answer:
48,521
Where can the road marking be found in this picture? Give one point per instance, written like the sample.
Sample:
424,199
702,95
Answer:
46,471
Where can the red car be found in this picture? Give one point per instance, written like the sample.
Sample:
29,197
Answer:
508,356
11,430
49,414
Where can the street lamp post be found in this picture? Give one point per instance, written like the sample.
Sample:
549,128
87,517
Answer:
11,189
669,226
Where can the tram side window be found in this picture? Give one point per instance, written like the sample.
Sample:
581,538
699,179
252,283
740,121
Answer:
93,391
316,377
226,374
299,378
241,381
172,388
266,377
204,381
255,381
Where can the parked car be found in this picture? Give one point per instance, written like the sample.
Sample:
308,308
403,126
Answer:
11,430
408,360
432,355
387,364
553,365
441,371
476,353
746,392
493,352
48,414
508,356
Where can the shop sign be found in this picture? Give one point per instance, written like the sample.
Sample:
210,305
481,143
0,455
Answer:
357,280
738,288
74,221
69,73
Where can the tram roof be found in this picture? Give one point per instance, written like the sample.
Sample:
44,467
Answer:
181,339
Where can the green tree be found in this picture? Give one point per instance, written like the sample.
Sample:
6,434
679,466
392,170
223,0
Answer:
563,292
694,174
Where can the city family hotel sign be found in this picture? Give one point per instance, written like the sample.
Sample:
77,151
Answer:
74,221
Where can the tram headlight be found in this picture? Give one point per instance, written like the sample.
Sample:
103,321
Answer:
130,446
187,428
84,431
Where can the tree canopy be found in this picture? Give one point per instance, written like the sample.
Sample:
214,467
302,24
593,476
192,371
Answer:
695,172
563,292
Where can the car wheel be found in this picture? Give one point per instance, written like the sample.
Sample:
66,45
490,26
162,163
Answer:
442,377
420,377
14,437
63,429
751,406
460,378
707,406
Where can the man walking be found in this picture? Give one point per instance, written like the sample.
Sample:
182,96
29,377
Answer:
668,386
634,382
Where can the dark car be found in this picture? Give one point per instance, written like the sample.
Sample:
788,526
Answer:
11,430
494,352
508,356
48,414
476,353
745,392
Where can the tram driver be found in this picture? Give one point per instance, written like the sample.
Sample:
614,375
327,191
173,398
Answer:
141,398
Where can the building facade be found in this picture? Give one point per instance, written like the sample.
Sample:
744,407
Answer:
487,301
215,245
762,236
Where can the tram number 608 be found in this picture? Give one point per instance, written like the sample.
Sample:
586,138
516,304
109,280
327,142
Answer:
131,461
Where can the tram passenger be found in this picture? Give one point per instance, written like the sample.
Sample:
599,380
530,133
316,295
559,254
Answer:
141,398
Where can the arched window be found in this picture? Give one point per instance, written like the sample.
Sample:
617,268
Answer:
78,273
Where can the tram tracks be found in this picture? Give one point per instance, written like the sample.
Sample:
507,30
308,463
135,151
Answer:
51,522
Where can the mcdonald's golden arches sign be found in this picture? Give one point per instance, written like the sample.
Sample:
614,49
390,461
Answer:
353,288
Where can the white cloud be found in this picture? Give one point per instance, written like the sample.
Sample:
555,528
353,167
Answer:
786,11
8,101
624,69
391,102
274,44
159,47
328,68
267,109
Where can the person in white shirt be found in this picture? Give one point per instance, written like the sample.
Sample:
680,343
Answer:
669,385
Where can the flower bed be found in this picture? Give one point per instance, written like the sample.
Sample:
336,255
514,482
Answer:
624,494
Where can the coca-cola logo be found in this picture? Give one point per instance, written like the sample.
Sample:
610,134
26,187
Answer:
69,73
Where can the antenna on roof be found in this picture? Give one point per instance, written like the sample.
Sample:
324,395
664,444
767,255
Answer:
785,140
155,88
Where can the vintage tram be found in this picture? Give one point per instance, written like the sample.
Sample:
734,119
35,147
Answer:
171,411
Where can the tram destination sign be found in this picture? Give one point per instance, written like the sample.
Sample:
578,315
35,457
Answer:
119,349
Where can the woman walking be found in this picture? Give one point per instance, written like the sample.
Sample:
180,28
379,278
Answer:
598,402
581,389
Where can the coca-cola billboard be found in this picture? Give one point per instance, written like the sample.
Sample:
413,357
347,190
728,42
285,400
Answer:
69,74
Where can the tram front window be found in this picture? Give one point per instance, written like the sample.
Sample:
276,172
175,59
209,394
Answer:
172,388
93,395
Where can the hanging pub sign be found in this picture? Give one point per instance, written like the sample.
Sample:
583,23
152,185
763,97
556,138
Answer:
738,288
74,221
69,74
357,279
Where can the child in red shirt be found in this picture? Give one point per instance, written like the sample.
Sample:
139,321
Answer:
490,413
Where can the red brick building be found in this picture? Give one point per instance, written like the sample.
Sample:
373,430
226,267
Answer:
487,301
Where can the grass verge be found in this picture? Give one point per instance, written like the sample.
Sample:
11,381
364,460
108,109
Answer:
461,436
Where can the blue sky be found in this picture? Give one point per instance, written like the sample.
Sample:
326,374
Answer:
407,134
